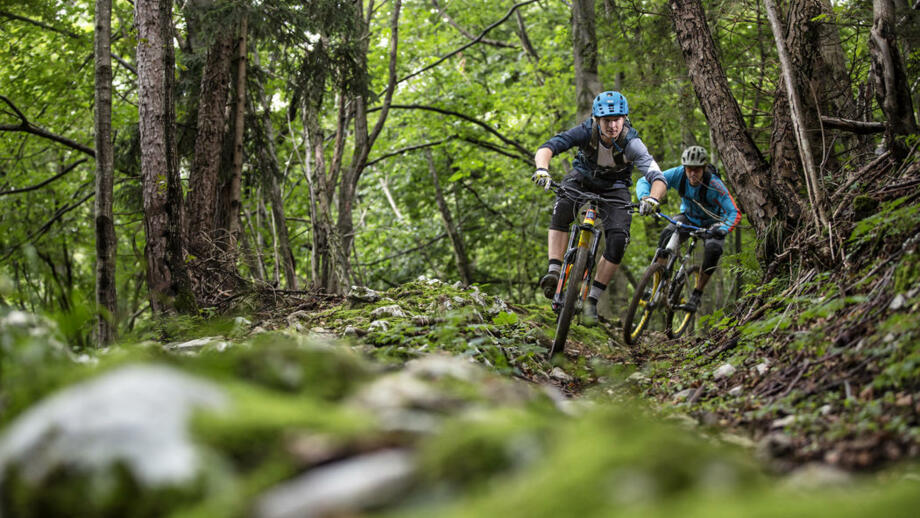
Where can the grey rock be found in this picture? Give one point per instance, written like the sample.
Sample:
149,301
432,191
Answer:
738,440
817,475
392,310
683,394
736,391
438,366
559,374
379,325
726,370
638,378
350,331
136,415
363,294
762,367
341,489
774,444
783,421
898,302
479,298
194,346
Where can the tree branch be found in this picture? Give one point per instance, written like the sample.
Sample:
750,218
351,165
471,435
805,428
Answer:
470,44
27,127
858,127
37,186
524,151
447,17
406,150
64,32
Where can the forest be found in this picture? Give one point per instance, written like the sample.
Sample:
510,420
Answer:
281,259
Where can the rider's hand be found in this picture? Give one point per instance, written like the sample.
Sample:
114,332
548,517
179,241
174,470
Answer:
541,178
648,206
717,232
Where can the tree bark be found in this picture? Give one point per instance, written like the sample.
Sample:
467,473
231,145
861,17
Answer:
745,168
793,79
837,96
203,178
584,43
891,87
456,239
106,242
271,174
231,194
364,140
167,277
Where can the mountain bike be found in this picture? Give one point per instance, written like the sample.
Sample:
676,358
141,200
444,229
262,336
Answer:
578,262
658,289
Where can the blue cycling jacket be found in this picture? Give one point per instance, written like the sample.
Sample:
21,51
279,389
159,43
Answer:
714,198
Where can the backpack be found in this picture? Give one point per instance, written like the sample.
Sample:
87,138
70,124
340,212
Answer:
623,169
707,178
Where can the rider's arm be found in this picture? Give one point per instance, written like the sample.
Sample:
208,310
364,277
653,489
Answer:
731,214
637,153
578,136
542,157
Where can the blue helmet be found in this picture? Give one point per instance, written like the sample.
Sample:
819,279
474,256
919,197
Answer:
610,103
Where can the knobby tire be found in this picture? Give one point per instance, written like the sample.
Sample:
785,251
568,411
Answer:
677,320
572,289
639,311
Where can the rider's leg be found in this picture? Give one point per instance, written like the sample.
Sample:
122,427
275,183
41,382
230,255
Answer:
557,239
712,251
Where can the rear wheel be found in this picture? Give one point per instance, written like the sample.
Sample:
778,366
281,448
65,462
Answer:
677,320
572,287
641,308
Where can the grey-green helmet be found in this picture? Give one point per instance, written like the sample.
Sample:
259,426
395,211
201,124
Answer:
694,156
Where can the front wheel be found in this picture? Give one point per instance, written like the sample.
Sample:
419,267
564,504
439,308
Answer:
641,308
572,287
677,319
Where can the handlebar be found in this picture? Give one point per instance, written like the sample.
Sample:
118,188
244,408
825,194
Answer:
692,228
576,193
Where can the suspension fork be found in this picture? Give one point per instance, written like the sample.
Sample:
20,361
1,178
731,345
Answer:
584,235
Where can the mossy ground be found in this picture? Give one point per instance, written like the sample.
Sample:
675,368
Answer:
495,452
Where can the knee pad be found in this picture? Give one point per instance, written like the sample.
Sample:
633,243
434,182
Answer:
615,246
712,251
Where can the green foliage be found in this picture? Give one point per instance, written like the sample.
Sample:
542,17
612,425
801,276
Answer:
894,218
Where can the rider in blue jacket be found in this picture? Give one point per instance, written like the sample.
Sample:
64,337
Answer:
705,202
608,148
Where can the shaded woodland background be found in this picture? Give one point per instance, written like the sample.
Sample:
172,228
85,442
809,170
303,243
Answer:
327,144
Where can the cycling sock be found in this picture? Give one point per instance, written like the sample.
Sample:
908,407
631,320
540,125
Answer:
596,290
555,266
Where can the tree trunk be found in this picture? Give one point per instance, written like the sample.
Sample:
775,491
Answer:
203,178
837,95
106,242
745,168
271,174
364,140
167,276
795,75
326,259
584,43
231,194
891,88
456,239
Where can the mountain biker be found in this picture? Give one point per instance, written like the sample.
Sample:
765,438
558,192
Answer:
608,147
705,202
